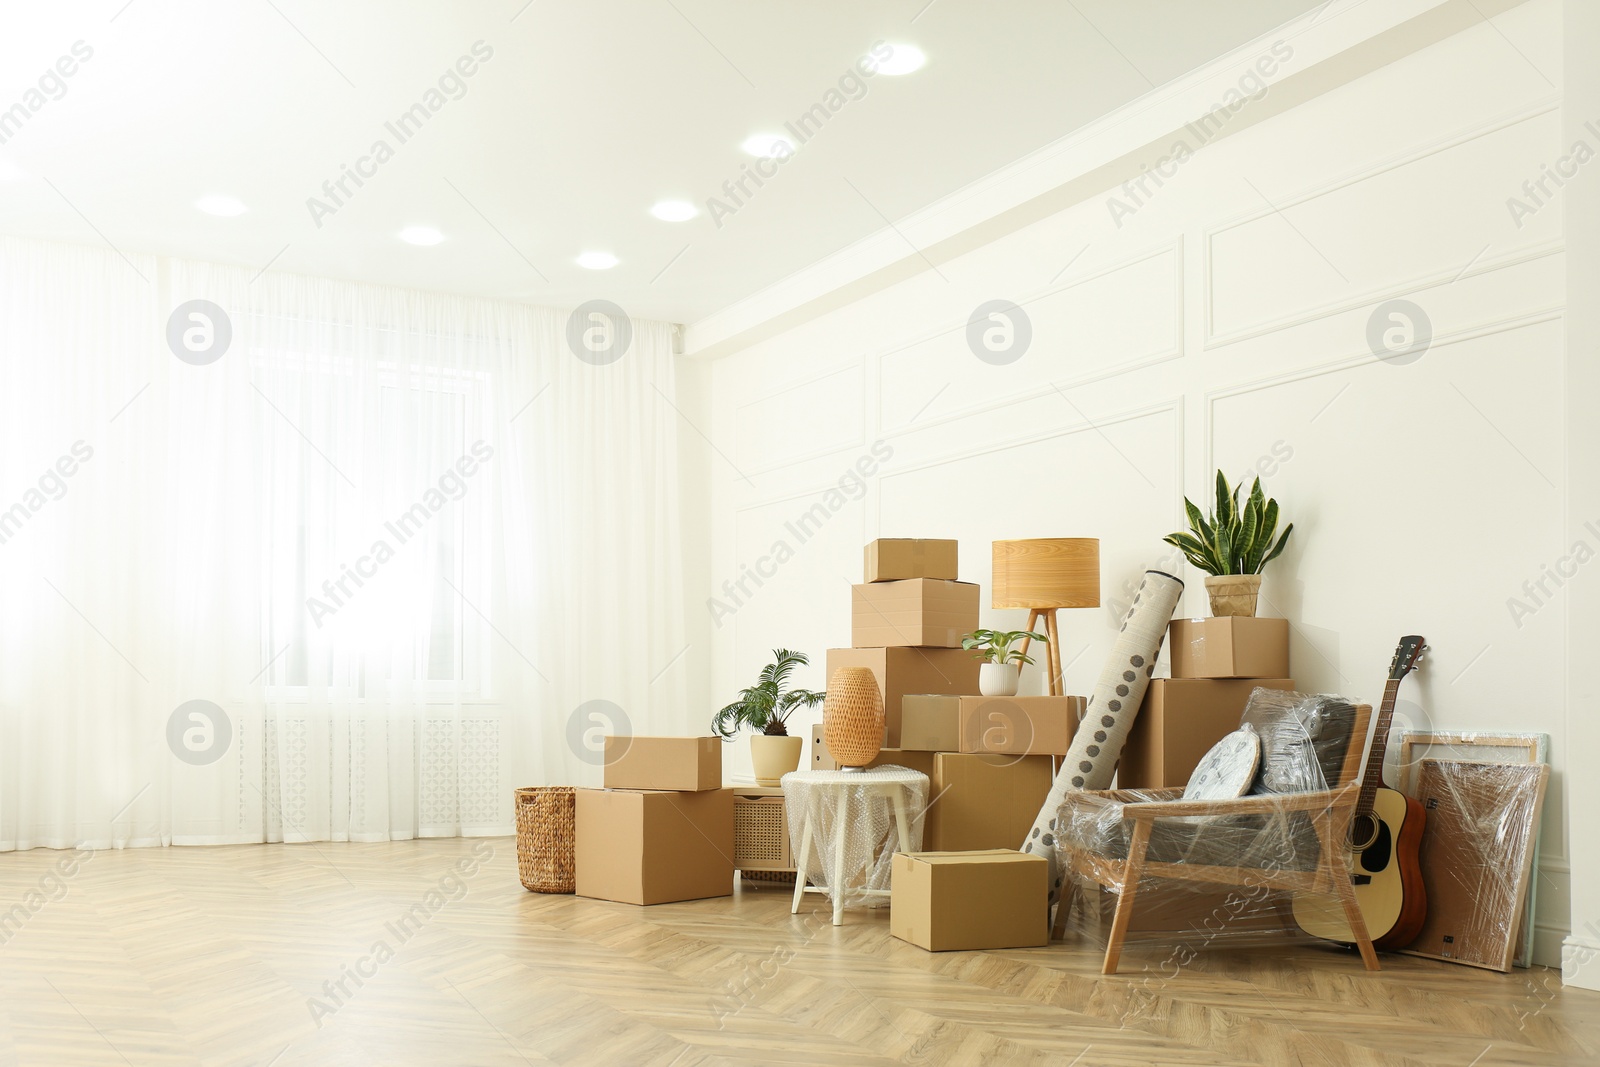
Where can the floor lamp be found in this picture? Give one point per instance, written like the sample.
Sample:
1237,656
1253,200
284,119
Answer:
1044,574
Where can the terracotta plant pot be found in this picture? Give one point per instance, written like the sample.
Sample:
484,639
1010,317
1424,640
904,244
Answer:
1233,595
774,756
852,717
998,679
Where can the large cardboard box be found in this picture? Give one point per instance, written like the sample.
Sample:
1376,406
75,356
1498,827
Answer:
1179,721
685,763
888,757
1020,726
983,800
997,898
909,670
646,847
916,613
1229,648
892,559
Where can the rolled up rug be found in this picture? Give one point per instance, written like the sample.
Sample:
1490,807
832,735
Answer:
1091,761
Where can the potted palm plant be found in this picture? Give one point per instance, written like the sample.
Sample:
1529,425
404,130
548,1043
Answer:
1002,664
1233,546
766,706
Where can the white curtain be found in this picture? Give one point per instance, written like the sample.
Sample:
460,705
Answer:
390,556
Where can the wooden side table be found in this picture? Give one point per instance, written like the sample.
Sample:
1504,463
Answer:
816,798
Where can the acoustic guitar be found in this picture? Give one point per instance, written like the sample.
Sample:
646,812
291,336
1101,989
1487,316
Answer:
1381,852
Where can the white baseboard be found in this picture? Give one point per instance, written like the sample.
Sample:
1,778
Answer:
1580,962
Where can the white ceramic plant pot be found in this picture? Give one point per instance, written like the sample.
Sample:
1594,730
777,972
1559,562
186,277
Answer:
774,757
998,679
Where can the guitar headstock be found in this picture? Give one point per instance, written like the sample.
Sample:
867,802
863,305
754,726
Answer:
1407,655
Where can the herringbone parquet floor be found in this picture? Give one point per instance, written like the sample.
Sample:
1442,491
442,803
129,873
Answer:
389,954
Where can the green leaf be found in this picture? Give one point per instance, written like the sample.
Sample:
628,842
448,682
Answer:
1284,540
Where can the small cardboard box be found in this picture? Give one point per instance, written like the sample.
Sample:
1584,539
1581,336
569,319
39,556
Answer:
1179,721
646,847
930,722
982,800
914,613
1019,726
691,764
888,757
944,901
1229,648
909,670
891,559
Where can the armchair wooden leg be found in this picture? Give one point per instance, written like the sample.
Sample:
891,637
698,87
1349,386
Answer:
1130,888
1339,877
1063,907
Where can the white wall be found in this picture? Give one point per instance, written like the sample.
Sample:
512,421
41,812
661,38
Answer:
1581,203
1223,324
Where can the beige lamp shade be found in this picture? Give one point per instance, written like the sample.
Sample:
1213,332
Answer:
852,717
1047,572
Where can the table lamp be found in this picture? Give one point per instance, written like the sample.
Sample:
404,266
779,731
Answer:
1044,574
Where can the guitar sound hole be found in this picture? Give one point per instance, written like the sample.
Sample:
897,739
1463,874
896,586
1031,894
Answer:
1375,857
1364,831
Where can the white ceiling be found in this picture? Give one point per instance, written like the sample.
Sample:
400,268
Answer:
587,113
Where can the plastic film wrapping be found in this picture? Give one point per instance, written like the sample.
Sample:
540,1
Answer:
1254,858
1477,857
875,806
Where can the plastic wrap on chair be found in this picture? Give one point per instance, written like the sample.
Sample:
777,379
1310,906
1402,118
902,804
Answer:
871,832
1225,879
1303,739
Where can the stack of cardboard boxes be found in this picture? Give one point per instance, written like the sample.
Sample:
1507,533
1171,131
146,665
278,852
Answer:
1215,664
990,759
662,828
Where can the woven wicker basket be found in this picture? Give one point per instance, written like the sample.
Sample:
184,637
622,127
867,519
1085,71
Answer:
545,818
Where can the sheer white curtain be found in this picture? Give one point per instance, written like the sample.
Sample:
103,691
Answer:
389,556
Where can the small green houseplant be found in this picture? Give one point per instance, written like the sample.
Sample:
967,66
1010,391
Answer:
1002,664
766,707
1233,545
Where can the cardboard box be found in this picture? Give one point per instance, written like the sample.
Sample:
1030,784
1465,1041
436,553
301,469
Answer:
1229,648
930,722
691,764
1020,726
892,559
895,757
909,670
982,800
944,901
646,847
915,613
1179,721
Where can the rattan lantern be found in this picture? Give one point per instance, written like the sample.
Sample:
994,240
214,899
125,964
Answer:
852,717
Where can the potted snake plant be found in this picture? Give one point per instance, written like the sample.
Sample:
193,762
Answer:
1002,664
1232,546
766,706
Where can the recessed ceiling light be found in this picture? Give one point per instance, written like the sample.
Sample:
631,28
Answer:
903,60
674,210
765,144
597,260
425,236
225,206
